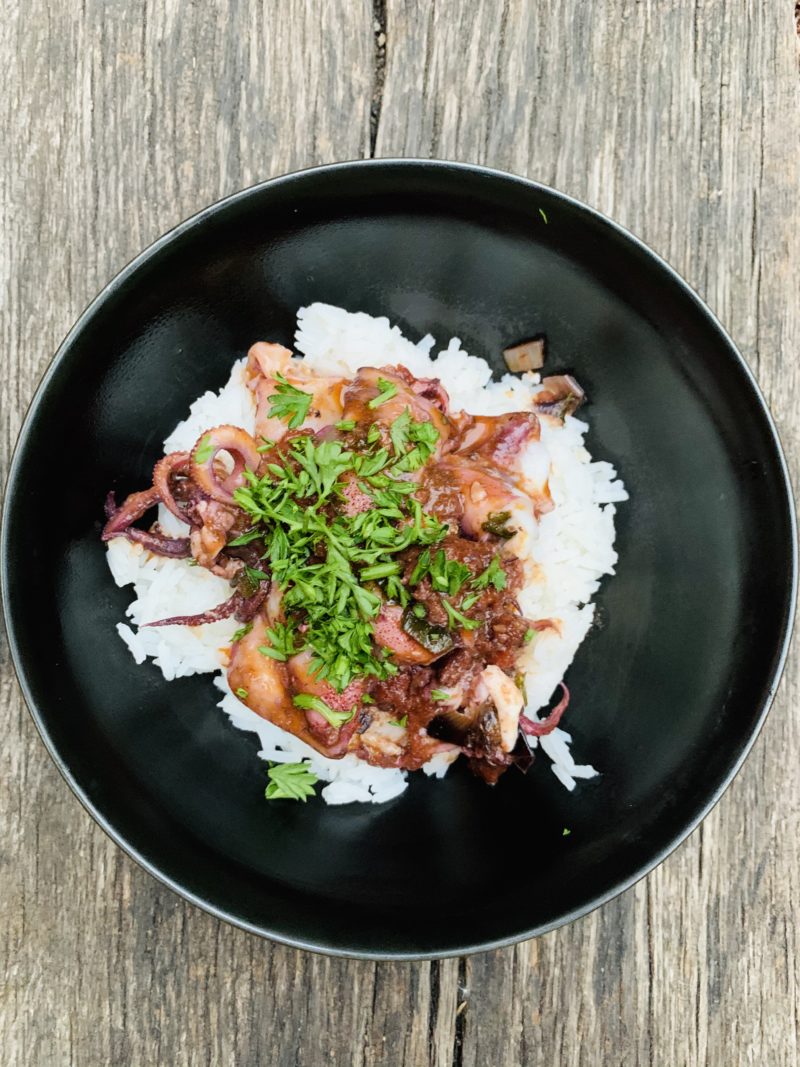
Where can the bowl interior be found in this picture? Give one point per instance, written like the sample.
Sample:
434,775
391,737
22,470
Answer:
668,687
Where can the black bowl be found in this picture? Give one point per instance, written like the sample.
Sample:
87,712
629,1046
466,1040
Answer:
669,689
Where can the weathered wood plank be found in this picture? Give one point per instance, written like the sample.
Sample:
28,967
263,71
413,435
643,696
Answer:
117,122
680,120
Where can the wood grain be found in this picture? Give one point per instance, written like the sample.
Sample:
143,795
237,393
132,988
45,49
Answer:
681,120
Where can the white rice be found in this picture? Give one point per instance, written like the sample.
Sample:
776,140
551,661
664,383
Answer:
564,555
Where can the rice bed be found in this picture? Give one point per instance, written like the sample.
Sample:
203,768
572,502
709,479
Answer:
564,555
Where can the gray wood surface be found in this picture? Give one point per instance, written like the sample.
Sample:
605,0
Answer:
680,118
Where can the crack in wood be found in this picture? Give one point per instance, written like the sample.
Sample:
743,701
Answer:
461,1014
378,71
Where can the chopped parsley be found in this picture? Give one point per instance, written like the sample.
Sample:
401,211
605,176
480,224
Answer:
334,570
241,693
440,694
281,642
493,575
422,436
402,723
311,703
566,832
387,391
529,636
447,576
457,621
205,450
290,781
243,631
543,213
288,403
245,539
256,575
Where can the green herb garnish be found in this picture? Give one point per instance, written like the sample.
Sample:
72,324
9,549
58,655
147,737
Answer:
256,576
243,631
290,781
245,539
288,403
281,642
493,575
311,703
458,621
422,436
402,723
334,570
529,636
241,693
440,694
205,450
387,391
447,576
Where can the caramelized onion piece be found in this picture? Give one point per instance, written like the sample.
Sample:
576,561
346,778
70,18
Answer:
560,396
524,357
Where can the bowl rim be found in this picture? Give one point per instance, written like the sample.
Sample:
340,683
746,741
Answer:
195,221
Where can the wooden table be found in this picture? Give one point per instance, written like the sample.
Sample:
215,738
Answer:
679,118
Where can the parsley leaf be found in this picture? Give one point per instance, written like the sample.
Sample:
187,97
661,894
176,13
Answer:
423,436
448,576
440,694
290,781
288,403
321,557
281,642
402,723
243,631
455,620
245,539
311,703
241,693
398,432
256,576
387,391
493,575
205,450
